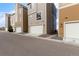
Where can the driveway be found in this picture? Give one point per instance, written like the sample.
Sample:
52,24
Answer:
17,45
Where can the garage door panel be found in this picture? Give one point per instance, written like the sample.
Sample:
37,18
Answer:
18,30
37,30
71,31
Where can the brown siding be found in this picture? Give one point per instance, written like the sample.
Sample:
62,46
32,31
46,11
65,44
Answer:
25,21
50,19
67,14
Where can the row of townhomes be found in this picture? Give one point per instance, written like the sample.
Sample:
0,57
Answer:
41,18
34,18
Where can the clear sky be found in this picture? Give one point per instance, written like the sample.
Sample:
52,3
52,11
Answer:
5,8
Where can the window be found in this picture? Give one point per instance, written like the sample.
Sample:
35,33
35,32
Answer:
29,5
39,16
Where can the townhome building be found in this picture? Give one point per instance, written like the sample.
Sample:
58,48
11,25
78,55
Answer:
10,22
69,21
41,18
21,16
7,21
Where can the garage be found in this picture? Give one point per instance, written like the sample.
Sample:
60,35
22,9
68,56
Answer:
36,30
71,31
18,30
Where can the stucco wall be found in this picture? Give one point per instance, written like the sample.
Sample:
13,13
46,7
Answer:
7,21
33,8
32,16
67,14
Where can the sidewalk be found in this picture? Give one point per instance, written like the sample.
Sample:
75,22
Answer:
50,38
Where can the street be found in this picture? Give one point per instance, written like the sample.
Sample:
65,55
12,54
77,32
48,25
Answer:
17,45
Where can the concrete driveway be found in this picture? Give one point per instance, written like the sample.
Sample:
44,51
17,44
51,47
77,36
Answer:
17,45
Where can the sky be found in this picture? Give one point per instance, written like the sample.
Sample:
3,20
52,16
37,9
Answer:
5,8
57,6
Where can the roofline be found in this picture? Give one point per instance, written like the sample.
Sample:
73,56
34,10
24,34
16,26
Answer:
67,22
68,5
23,6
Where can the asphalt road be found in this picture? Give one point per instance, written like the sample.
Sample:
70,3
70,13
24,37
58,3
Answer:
17,45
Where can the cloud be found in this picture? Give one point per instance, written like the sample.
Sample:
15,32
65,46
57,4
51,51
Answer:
12,11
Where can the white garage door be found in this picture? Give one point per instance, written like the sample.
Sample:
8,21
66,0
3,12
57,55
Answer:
36,30
18,30
71,31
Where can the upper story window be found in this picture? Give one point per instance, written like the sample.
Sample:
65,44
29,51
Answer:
29,5
38,16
